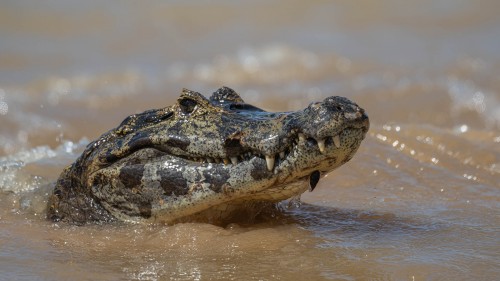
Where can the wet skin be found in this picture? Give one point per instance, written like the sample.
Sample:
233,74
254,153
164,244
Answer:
206,160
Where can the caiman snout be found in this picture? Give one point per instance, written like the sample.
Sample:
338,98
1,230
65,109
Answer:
323,122
325,125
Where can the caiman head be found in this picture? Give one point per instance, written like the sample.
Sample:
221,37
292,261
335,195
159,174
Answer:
206,158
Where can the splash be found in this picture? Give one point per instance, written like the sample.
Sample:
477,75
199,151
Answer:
18,171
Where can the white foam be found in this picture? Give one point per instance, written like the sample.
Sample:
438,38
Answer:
14,176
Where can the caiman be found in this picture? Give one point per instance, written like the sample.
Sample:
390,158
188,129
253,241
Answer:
206,160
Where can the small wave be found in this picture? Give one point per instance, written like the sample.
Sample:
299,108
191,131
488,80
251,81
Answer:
18,171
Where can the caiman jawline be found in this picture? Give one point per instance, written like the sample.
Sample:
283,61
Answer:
272,159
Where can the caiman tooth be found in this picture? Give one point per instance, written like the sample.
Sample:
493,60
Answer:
226,161
321,145
336,141
282,155
217,160
302,137
209,160
270,162
234,160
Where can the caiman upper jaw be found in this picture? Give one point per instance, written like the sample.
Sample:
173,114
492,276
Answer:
254,132
271,136
336,122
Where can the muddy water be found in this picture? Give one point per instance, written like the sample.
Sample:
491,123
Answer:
420,200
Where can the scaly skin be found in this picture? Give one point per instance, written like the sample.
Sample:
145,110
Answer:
206,159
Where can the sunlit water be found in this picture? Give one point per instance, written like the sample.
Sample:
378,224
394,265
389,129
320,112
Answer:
420,200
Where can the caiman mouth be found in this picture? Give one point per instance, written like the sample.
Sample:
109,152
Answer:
296,146
327,126
273,161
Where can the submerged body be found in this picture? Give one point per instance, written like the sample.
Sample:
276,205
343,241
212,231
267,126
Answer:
206,159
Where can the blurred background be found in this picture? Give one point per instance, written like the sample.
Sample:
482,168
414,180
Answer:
422,193
61,58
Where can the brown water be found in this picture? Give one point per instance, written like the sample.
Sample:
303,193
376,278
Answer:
420,200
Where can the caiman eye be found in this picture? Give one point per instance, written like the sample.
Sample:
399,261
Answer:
187,105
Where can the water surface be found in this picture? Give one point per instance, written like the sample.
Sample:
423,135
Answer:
420,200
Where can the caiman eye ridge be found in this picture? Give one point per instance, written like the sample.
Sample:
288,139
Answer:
213,160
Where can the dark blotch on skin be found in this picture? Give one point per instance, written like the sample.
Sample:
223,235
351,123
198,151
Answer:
110,158
140,140
172,183
314,179
259,174
178,142
217,178
145,210
131,176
